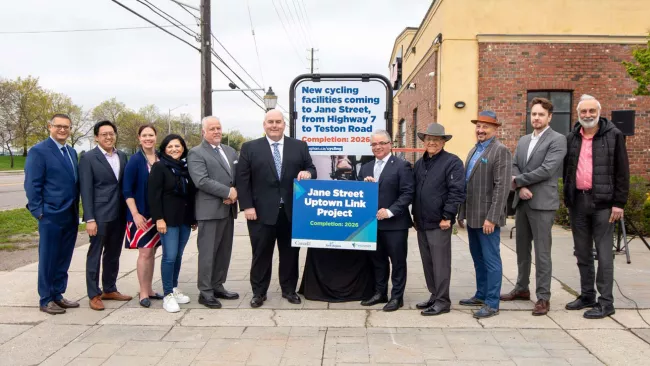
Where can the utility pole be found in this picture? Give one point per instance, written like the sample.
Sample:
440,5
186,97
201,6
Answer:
312,60
206,60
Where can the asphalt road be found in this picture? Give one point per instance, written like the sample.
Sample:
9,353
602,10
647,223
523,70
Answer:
12,194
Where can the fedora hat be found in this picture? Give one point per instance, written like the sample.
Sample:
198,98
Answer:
487,117
434,129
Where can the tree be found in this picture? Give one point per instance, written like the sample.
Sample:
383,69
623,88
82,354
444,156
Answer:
110,110
234,139
82,125
130,121
31,105
640,69
8,117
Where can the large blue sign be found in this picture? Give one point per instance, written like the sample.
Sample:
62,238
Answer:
335,214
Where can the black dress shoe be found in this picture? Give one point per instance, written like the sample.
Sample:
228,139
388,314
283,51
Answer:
375,299
210,303
599,311
225,294
580,303
394,304
292,298
257,301
145,303
435,309
471,302
156,296
425,304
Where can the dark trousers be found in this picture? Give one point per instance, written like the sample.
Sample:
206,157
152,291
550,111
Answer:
105,248
391,244
435,250
534,226
57,237
589,225
214,243
486,253
263,238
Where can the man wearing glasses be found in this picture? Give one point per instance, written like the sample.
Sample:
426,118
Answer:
395,179
51,186
100,176
439,191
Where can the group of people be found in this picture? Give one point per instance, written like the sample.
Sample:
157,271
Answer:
591,159
158,197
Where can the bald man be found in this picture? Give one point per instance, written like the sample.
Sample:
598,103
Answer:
212,168
265,173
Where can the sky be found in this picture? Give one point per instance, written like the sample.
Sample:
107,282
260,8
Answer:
147,66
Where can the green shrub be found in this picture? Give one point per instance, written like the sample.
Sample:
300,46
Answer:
562,214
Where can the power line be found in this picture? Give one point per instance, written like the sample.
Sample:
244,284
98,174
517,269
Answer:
227,77
298,24
304,9
86,30
259,63
292,24
286,32
300,19
176,21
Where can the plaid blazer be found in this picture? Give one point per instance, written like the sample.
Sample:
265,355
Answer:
488,186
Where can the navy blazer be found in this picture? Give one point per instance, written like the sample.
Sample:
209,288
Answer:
135,183
50,183
396,189
101,192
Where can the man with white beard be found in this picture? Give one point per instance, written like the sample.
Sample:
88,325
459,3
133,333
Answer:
596,184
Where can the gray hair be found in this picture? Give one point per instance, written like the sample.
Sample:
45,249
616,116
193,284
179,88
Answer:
383,133
586,97
206,119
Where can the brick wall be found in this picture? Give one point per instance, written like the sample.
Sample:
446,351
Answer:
423,97
508,70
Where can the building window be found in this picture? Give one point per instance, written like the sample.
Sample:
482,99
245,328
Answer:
402,133
561,100
415,132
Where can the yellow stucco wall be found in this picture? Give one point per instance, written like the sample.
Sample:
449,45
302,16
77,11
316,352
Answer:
462,21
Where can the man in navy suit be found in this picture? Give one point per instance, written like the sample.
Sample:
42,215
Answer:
396,188
100,174
51,185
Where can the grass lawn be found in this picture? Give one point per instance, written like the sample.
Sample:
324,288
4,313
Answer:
5,162
14,223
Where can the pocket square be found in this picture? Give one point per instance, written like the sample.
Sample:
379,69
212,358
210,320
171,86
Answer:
235,162
484,160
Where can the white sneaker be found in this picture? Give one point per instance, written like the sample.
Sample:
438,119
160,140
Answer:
170,304
180,297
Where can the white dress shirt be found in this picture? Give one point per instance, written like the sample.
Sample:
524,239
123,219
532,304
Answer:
533,141
381,169
221,152
280,146
113,161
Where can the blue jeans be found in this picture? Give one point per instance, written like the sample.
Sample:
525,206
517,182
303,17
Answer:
486,253
173,244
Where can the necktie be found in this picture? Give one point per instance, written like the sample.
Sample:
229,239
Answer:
377,169
222,155
66,157
276,158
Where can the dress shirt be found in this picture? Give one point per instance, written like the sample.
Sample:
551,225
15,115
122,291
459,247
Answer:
584,173
533,142
280,146
113,161
222,153
381,169
480,147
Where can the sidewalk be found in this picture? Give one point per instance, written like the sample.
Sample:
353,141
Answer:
316,333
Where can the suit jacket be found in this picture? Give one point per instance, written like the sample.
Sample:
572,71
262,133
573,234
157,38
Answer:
396,189
101,192
50,183
258,185
542,170
488,186
213,180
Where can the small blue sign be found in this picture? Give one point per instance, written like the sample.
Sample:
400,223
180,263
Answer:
335,214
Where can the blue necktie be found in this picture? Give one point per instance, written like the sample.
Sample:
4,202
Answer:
277,159
66,157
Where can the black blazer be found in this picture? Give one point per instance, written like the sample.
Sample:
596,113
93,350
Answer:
257,179
396,190
166,204
101,192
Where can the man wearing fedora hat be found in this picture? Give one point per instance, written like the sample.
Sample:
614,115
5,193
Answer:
439,191
487,180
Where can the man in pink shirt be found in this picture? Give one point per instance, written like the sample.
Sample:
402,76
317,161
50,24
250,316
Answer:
596,184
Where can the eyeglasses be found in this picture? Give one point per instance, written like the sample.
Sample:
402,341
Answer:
61,127
375,144
107,134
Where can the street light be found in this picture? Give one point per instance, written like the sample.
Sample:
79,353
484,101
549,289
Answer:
270,99
169,118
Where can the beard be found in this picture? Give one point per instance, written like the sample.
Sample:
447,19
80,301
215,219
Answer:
589,122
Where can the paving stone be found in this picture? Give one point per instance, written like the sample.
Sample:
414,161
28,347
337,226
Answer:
82,316
320,318
518,319
264,355
120,334
387,348
179,357
304,348
267,333
307,331
188,334
9,331
228,317
145,348
226,350
228,332
66,354
101,350
479,352
287,361
643,334
346,332
470,337
36,344
23,315
614,347
134,316
540,361
117,360
190,344
631,318
413,318
85,361
528,351
574,320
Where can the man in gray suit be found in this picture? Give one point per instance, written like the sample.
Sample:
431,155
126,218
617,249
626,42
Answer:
487,178
536,168
212,168
100,178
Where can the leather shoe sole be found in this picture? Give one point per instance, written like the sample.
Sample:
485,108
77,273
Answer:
372,302
209,304
226,295
256,302
424,305
435,312
584,305
293,298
